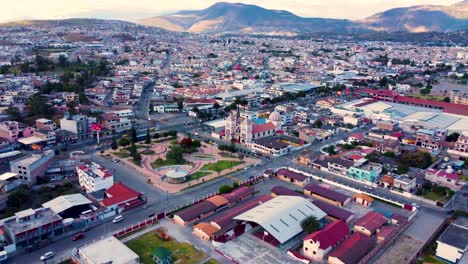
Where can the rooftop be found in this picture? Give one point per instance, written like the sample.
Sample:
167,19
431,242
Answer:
65,202
38,217
455,235
104,251
119,193
327,193
371,221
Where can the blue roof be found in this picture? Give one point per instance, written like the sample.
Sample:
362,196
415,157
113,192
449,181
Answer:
259,121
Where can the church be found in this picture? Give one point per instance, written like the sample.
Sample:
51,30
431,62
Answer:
245,131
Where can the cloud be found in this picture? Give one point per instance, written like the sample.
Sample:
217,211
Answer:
126,9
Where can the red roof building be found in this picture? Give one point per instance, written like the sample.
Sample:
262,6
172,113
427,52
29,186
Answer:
319,243
370,223
120,195
352,250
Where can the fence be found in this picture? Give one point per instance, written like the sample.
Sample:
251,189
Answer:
139,226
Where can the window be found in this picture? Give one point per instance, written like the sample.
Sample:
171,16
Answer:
306,249
314,252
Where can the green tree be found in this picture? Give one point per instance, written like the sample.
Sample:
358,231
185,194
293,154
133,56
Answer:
225,189
383,82
318,123
62,61
402,169
114,145
425,91
13,113
310,224
38,105
148,137
452,137
175,154
446,99
133,134
124,142
235,185
72,108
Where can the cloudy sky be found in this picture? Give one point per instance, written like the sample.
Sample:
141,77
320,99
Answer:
133,9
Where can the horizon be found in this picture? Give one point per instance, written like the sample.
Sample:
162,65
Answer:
138,9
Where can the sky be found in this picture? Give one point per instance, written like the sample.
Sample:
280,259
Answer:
135,9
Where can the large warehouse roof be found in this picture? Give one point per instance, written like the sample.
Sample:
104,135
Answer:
65,202
281,216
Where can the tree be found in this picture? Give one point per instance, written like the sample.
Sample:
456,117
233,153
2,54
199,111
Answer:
330,150
310,224
62,61
196,110
402,169
425,91
133,149
186,142
114,145
216,106
124,142
225,189
133,134
72,108
176,154
180,105
148,137
446,99
389,154
38,105
13,113
318,123
383,82
196,144
452,137
235,185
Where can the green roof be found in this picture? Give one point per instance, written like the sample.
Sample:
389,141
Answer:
161,253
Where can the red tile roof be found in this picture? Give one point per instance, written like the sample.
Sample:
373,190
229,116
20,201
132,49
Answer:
327,193
291,174
329,236
262,128
353,249
119,193
238,194
371,221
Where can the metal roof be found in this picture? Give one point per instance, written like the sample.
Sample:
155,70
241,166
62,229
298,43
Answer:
281,216
65,202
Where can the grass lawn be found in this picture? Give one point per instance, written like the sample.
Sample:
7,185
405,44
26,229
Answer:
181,252
122,153
212,261
221,165
198,175
427,96
434,196
431,259
157,164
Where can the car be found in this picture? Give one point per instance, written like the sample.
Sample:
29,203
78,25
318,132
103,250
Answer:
151,215
85,229
77,236
117,219
116,160
47,256
33,247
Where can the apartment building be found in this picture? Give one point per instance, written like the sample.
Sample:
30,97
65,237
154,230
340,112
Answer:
430,139
31,166
115,123
461,147
12,131
93,177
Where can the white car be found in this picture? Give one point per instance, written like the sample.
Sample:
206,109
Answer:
47,256
117,219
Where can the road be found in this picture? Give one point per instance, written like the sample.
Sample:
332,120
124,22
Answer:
142,107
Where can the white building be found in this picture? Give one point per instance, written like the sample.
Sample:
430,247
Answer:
31,166
107,250
77,124
453,242
93,177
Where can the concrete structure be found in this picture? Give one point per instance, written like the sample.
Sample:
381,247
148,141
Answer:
404,182
45,124
449,180
93,177
107,250
31,166
370,223
461,147
115,123
9,181
80,125
12,131
317,245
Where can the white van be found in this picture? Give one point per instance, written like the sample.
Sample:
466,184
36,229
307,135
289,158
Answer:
117,219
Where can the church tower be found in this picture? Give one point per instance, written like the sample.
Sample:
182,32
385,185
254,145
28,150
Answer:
246,131
230,127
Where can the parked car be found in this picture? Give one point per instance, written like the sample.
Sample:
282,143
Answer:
78,236
116,160
117,219
33,247
85,229
47,256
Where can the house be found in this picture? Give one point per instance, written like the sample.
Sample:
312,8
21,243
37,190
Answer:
106,250
367,171
387,181
352,250
31,166
355,138
461,147
93,177
45,124
405,183
162,256
385,233
292,177
201,210
339,166
317,245
12,131
326,195
334,213
370,223
453,243
363,199
430,139
115,123
440,177
119,197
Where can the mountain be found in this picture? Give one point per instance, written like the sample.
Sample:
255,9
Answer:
244,18
423,18
62,22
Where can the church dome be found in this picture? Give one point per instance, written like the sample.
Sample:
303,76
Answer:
275,116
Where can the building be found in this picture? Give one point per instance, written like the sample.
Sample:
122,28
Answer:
120,197
245,130
461,147
367,171
80,125
162,256
352,250
339,166
32,225
327,195
430,139
45,124
405,183
69,206
370,223
114,123
104,251
12,131
363,199
200,210
93,177
334,213
440,177
317,245
9,181
31,166
292,177
453,243
388,125
281,216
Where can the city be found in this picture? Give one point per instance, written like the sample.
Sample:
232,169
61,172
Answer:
171,139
